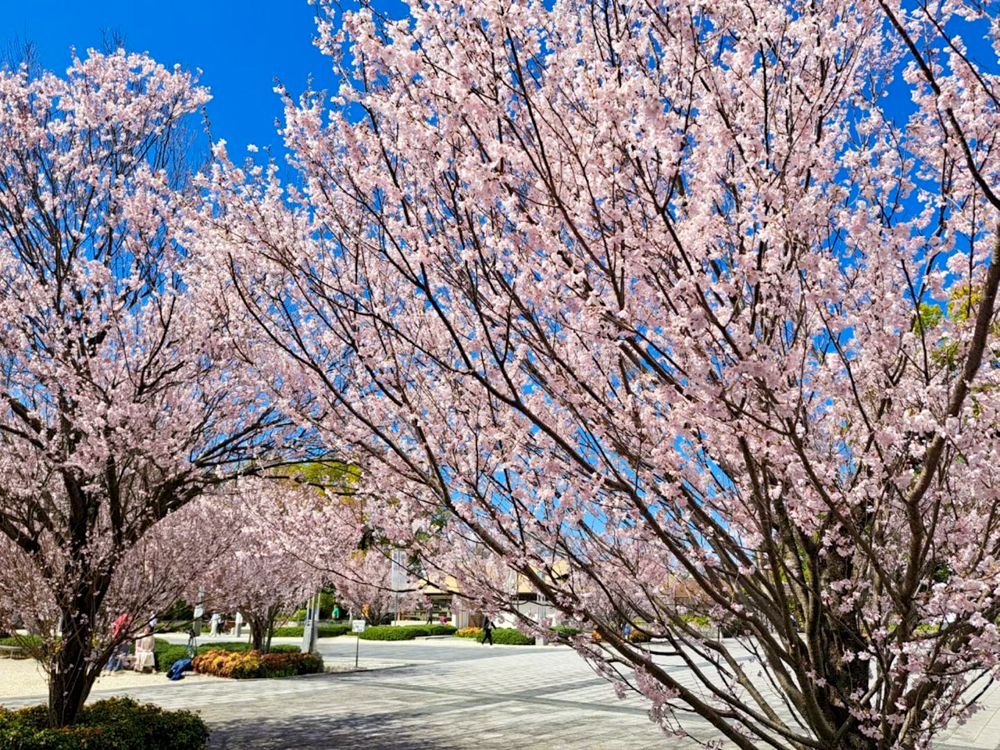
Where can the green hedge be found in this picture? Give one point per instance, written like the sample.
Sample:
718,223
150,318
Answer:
508,637
389,633
28,641
405,632
436,629
324,631
250,664
111,724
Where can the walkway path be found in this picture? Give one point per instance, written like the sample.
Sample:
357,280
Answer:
442,694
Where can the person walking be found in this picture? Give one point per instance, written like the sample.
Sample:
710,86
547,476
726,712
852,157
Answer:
487,631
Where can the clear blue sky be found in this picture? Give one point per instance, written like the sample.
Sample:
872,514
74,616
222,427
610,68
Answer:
241,46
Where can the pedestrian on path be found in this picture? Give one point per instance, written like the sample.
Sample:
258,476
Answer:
487,631
216,619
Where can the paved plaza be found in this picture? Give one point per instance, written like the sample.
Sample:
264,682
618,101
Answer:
444,693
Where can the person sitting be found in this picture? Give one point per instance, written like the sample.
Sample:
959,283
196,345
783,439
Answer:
145,660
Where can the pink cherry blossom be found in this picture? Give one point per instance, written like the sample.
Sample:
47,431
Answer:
659,306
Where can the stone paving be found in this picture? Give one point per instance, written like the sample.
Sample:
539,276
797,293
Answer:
451,694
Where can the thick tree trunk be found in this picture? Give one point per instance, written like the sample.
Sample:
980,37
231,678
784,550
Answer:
257,634
261,631
73,672
855,740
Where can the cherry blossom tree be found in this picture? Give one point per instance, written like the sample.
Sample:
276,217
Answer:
364,583
644,290
120,403
266,571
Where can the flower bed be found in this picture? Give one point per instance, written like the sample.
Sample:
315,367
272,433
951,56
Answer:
114,723
250,664
468,632
167,653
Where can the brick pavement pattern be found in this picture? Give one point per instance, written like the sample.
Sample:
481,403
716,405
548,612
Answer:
442,694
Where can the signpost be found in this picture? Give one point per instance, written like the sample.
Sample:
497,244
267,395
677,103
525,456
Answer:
357,626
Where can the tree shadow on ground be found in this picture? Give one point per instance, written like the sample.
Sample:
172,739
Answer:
359,732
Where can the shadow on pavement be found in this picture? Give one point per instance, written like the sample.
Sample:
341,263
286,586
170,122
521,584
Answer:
319,733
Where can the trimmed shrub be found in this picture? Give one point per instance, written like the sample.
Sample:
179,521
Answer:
332,631
390,633
250,664
167,653
438,629
468,632
111,724
324,631
419,631
508,637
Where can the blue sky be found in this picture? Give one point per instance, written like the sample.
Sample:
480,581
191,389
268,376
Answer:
241,46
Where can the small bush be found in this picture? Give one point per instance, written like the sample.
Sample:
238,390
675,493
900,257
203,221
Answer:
390,633
111,724
250,664
468,632
509,637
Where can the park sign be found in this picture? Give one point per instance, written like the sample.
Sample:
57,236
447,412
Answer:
357,626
